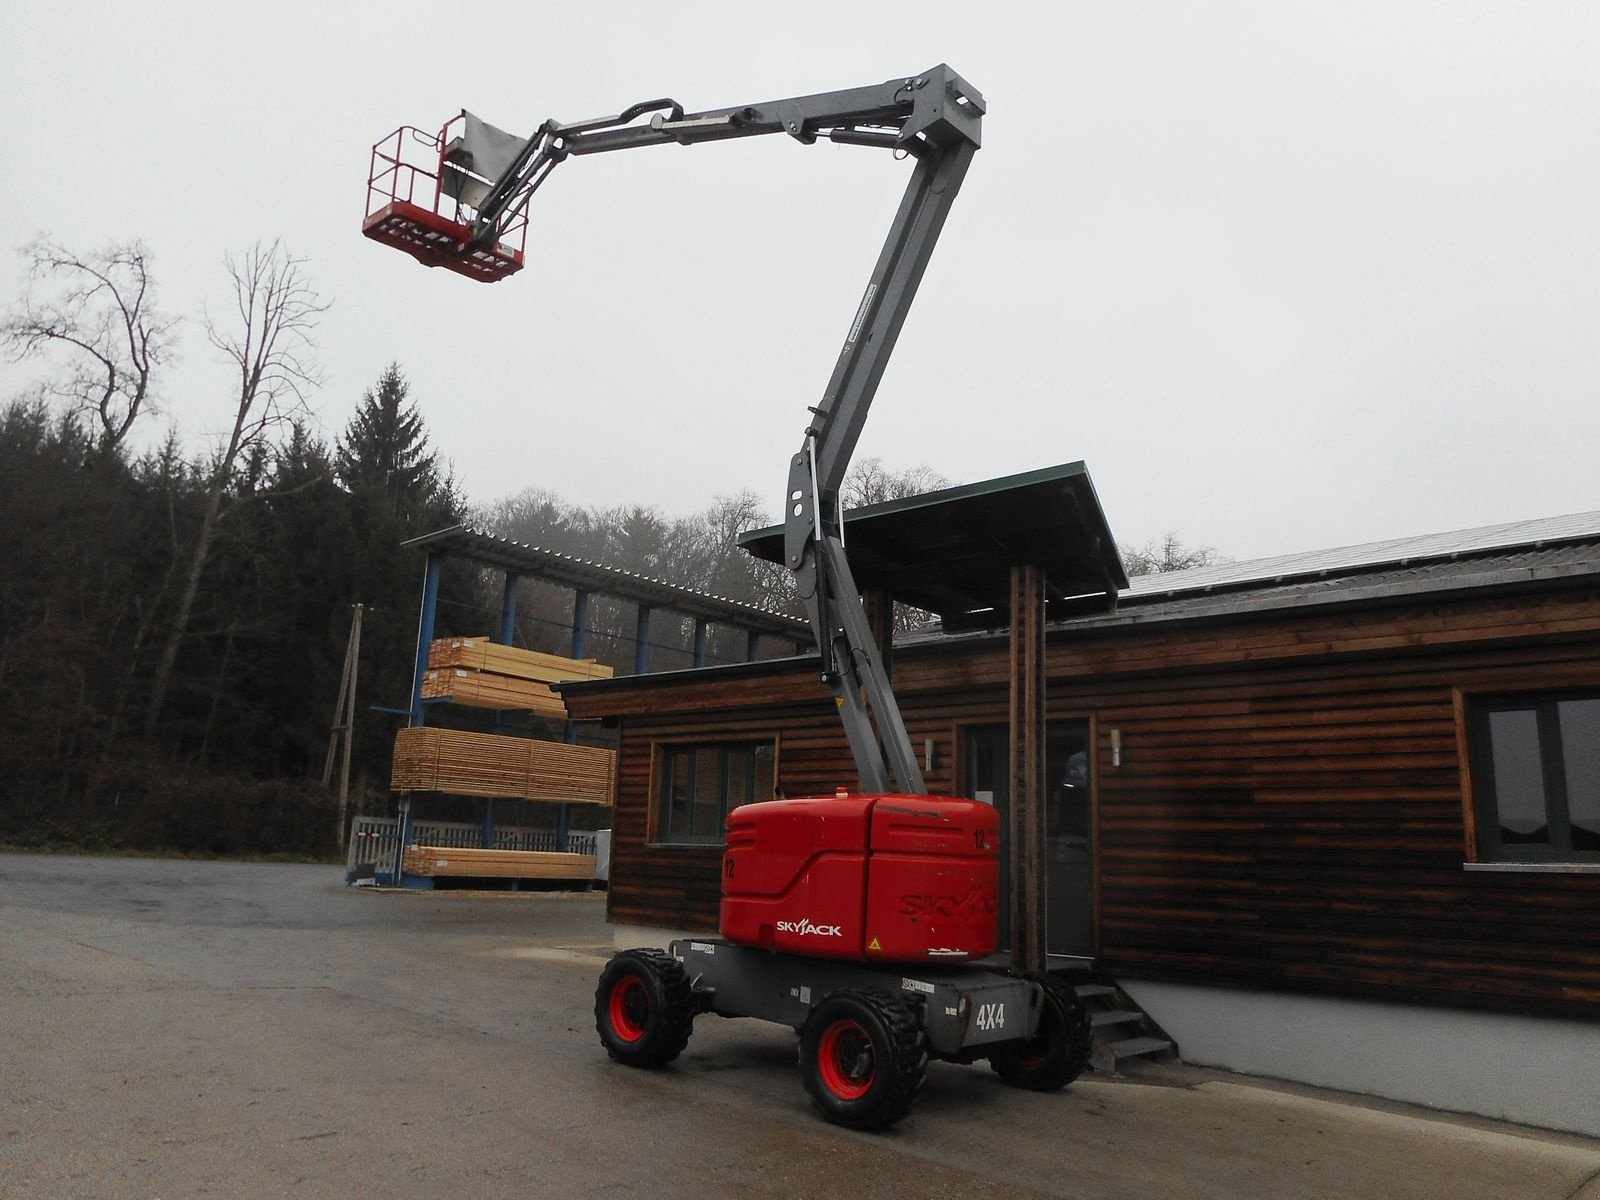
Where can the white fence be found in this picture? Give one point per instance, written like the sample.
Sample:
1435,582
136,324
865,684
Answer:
375,842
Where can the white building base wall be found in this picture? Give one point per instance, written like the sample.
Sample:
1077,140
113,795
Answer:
1532,1070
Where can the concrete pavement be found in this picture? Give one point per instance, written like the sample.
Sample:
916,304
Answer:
174,1029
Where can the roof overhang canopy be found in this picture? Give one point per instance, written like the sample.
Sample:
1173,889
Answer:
951,551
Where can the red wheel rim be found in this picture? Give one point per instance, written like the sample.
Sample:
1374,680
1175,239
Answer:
845,1060
628,1008
1036,1049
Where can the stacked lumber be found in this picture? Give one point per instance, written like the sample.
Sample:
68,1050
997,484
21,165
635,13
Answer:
488,764
497,864
481,654
485,674
479,690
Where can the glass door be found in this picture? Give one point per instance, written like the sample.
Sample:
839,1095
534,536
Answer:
1069,862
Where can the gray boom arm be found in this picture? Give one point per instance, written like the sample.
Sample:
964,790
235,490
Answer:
935,117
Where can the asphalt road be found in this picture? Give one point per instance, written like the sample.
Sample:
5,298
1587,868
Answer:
176,1029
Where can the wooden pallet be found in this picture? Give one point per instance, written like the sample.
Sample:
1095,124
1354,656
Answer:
486,764
450,862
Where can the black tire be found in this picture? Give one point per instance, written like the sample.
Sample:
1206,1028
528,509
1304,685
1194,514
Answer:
863,1059
1055,1055
644,1008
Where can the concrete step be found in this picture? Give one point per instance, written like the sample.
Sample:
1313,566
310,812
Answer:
1088,990
1140,1045
1115,1016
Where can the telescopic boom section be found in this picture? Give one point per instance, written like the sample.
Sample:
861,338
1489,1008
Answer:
934,118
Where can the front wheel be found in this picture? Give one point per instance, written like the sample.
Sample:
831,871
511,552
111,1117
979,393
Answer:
863,1059
644,1008
1057,1053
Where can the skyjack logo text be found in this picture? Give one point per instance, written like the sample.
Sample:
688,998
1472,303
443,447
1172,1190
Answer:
805,928
975,903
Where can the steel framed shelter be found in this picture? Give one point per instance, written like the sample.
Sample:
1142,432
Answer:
518,561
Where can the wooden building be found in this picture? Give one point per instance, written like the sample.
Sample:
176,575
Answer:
1332,816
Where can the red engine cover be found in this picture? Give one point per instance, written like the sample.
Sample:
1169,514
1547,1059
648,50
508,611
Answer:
897,878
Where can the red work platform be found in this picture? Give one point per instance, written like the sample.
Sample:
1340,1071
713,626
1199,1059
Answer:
436,241
409,210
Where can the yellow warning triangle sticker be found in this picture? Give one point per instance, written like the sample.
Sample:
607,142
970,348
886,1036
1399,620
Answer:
873,945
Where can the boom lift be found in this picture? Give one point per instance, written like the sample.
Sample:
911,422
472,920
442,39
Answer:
855,919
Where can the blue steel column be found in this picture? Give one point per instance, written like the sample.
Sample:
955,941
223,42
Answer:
508,630
580,635
430,609
700,642
641,641
752,646
508,609
417,718
580,622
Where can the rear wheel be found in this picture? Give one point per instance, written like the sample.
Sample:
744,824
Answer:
1057,1053
863,1059
644,1008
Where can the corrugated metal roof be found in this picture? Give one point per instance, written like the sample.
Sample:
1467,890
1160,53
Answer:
518,557
1345,560
1570,564
1439,577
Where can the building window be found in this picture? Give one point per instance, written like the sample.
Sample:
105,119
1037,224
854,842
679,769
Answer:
700,785
1536,777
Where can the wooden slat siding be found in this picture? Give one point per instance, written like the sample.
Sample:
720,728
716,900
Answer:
1230,851
677,886
1290,813
1469,819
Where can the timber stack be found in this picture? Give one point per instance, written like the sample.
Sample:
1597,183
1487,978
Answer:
428,759
482,673
456,863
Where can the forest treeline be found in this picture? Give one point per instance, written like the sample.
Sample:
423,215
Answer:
174,625
98,540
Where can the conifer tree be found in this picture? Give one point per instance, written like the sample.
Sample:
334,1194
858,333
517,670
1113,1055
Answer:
384,451
396,491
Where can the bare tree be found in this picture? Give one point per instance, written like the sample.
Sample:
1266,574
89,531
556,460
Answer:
722,567
1167,553
272,349
99,311
870,482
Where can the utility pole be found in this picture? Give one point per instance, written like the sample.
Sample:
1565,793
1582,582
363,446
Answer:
344,720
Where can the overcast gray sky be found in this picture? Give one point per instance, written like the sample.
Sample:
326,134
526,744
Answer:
1287,276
